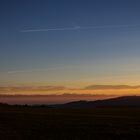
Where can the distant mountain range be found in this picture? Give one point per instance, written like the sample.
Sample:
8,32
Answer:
125,101
130,101
3,104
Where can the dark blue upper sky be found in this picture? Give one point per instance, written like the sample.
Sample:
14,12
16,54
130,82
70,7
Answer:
69,41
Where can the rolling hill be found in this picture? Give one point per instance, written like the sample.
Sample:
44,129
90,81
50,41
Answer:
128,101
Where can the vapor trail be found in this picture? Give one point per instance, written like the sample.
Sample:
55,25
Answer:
39,70
79,28
52,29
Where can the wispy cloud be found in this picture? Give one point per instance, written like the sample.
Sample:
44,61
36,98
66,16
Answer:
30,71
52,29
16,71
39,70
108,87
79,28
32,88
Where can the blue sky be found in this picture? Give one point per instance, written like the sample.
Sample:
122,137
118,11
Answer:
69,41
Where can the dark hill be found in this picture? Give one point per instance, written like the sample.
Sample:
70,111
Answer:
3,104
126,101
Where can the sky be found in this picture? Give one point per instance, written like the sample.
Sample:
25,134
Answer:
69,43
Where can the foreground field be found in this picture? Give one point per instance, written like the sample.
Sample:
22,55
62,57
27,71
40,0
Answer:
34,123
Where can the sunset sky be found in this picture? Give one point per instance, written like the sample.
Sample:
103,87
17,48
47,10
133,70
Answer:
65,46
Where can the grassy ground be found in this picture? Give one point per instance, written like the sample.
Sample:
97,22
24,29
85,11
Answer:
28,123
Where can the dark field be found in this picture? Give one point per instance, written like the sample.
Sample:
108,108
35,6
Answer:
34,123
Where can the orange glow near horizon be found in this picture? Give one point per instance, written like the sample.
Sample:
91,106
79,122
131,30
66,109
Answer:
60,94
63,90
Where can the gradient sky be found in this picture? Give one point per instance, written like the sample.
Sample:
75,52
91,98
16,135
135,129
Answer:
72,43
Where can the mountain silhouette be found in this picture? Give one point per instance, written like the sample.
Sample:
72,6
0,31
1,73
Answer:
125,101
3,104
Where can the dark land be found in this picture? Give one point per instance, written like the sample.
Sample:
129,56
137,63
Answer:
109,120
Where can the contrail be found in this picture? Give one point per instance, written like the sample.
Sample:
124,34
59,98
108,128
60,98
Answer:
80,28
52,29
30,71
18,71
37,70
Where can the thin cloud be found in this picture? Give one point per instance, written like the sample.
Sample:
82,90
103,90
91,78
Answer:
32,88
38,70
30,71
52,29
79,28
110,87
18,71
